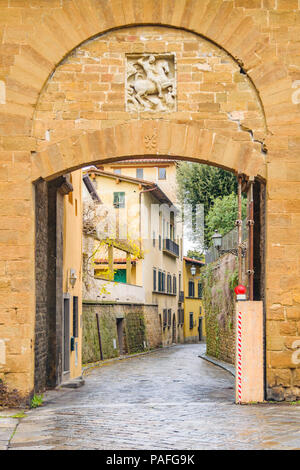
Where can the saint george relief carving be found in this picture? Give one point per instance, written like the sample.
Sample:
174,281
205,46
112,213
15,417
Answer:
150,82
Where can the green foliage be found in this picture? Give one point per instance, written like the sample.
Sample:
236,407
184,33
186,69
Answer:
195,255
223,214
234,279
37,401
203,184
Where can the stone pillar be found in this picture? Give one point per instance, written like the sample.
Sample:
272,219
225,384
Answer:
249,352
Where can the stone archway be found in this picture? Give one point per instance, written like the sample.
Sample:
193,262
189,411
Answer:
155,138
131,141
37,40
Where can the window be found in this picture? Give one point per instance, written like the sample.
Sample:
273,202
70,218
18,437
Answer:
199,290
159,281
174,285
191,320
165,318
140,173
153,239
159,242
75,317
191,289
169,317
180,316
163,282
162,173
169,284
154,279
119,200
117,171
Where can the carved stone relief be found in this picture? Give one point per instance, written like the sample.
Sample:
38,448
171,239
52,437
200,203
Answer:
150,82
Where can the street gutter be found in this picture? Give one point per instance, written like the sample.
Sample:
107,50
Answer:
224,365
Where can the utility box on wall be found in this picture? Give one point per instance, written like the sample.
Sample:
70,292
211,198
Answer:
249,352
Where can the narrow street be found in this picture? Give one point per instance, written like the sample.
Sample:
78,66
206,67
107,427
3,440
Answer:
170,399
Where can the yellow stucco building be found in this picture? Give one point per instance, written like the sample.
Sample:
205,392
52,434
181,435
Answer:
72,279
194,324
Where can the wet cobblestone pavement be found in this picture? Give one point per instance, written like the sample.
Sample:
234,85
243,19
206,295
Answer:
170,399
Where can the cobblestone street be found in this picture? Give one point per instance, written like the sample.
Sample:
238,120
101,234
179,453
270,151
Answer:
170,399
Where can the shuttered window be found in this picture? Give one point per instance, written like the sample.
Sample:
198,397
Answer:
191,289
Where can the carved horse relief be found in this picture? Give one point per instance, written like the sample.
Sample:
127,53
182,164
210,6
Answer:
151,83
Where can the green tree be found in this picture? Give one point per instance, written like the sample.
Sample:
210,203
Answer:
223,214
203,184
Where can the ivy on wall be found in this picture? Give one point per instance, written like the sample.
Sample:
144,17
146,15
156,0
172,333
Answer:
219,280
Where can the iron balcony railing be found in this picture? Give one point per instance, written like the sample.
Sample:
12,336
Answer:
171,247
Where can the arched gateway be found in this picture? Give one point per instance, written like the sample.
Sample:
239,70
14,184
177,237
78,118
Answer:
72,95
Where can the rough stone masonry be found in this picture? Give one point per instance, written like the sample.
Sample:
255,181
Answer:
235,104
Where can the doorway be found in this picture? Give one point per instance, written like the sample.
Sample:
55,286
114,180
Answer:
174,329
120,332
66,336
200,329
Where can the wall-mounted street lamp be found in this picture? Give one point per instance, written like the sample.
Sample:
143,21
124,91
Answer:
72,277
217,243
217,240
193,270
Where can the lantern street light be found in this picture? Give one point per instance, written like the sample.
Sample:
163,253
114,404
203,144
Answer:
217,240
193,270
73,277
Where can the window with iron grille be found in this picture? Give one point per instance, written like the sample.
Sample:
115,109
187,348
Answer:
154,279
191,320
119,200
191,289
169,284
163,282
159,281
199,290
180,316
165,317
169,317
174,285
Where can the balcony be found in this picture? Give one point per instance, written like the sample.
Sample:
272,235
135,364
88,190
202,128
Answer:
171,248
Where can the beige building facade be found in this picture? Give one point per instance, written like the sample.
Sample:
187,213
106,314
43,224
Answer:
228,96
141,214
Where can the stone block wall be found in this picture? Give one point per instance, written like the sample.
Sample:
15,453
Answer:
141,329
219,278
55,87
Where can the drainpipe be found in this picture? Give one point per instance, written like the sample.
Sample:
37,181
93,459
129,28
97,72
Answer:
250,235
239,224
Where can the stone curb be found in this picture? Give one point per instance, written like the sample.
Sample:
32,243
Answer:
224,365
